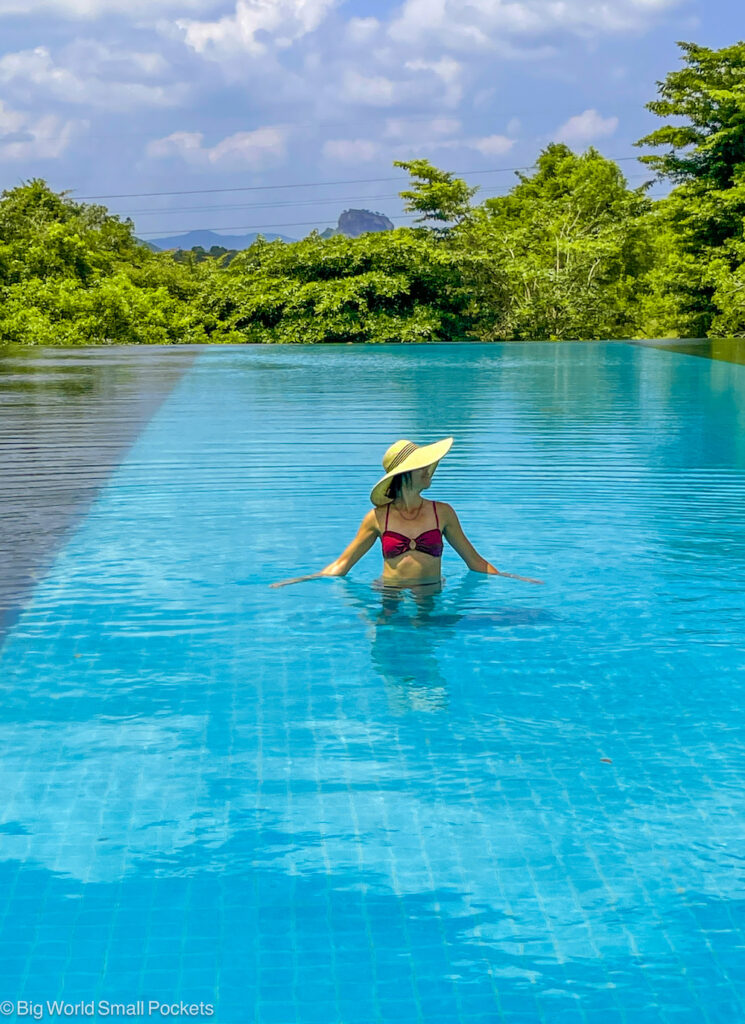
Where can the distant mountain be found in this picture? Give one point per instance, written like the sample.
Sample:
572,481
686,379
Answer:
351,223
357,222
209,238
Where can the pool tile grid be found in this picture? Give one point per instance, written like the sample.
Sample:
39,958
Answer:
398,868
453,840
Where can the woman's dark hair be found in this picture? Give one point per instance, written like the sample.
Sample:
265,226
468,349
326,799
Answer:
396,485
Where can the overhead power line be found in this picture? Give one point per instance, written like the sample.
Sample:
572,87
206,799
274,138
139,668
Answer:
256,227
306,184
265,188
277,204
487,193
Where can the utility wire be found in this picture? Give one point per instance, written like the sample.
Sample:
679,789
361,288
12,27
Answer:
270,227
276,204
258,227
264,188
308,184
488,192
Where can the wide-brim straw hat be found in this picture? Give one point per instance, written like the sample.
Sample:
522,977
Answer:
404,456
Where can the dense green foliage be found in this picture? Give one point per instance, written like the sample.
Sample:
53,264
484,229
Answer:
382,286
570,252
198,254
563,255
70,274
435,194
699,280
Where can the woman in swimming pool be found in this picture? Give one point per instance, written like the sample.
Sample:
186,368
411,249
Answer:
400,511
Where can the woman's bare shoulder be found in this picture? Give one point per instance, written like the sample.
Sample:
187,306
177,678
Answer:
447,517
374,519
446,510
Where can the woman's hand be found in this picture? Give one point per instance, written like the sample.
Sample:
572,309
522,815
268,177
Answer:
296,579
366,537
512,576
453,533
328,571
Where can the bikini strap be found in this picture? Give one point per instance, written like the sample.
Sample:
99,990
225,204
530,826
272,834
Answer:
387,511
436,519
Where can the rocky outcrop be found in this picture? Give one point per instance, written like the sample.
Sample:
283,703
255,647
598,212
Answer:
357,222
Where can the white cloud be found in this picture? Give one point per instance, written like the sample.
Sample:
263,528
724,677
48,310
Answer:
89,9
255,150
585,127
397,128
370,90
485,24
26,137
410,138
420,19
106,79
247,29
361,30
487,145
351,151
448,71
491,145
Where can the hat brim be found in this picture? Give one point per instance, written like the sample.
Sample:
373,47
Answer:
418,459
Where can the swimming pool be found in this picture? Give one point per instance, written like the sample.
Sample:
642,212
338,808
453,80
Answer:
294,806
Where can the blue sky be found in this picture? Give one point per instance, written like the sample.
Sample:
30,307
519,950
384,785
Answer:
105,97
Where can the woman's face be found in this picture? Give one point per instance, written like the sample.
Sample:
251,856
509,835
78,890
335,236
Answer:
422,478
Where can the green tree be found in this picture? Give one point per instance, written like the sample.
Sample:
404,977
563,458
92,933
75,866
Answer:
72,274
435,194
380,287
705,161
709,95
562,255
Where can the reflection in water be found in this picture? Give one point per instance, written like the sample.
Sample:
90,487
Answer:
409,624
728,350
67,418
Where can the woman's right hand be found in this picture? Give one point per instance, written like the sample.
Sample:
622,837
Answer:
366,537
298,579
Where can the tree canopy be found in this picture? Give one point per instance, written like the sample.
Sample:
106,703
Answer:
381,286
561,255
435,194
72,274
708,94
700,268
569,252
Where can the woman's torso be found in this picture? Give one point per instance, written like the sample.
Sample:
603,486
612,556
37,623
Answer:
412,548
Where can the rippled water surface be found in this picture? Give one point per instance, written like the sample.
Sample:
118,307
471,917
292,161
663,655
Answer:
311,806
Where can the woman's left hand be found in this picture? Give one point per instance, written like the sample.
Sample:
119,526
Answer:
525,579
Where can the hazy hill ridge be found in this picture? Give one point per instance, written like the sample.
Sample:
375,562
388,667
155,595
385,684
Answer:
206,239
351,223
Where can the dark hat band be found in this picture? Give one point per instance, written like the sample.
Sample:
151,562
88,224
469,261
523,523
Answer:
405,452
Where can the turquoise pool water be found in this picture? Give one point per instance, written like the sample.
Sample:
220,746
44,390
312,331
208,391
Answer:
306,806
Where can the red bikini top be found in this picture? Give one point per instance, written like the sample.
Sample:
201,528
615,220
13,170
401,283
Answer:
395,544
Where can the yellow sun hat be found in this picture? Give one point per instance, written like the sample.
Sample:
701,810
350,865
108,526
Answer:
402,457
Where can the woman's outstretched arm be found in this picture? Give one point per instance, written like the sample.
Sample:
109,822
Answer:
366,537
453,533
